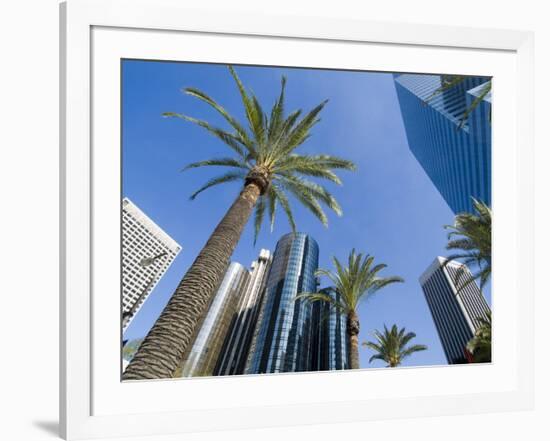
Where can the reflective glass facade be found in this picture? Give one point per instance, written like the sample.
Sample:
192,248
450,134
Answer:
455,313
283,336
331,342
456,159
237,342
201,358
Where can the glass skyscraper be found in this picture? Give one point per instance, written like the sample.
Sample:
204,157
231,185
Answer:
329,336
456,312
457,158
283,337
237,343
255,324
201,358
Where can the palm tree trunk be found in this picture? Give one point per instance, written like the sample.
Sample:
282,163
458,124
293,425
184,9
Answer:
353,333
162,349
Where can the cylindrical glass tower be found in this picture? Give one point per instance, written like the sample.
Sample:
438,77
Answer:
282,341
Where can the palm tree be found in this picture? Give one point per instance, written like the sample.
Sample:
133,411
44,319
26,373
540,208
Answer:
264,159
391,346
352,284
480,345
471,236
450,81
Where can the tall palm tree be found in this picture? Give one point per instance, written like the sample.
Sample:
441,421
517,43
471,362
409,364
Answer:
354,283
391,345
471,237
264,159
480,345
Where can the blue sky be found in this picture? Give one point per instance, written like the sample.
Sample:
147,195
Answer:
391,208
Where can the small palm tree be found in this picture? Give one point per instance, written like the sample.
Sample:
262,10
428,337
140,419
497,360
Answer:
480,345
450,81
352,284
264,159
391,346
471,236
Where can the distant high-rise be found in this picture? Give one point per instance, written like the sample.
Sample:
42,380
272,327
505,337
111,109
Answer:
456,306
329,337
201,358
456,158
236,346
282,340
147,252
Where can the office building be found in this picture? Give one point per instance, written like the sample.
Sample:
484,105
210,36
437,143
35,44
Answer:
456,157
282,339
147,253
237,342
201,358
329,336
455,306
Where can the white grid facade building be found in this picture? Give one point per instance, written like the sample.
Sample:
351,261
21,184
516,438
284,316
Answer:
456,306
142,239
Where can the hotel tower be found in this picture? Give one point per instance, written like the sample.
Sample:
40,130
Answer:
282,340
147,253
456,306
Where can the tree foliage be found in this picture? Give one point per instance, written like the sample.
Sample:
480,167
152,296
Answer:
354,282
391,345
264,150
470,239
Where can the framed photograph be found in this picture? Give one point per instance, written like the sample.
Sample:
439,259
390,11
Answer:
272,221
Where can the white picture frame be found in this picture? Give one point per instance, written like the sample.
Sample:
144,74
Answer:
92,402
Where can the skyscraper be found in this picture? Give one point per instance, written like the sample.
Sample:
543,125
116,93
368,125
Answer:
455,305
237,342
456,158
329,337
201,358
282,340
147,252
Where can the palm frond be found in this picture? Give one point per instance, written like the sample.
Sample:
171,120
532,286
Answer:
485,90
276,120
259,217
377,357
301,131
412,350
283,202
382,282
470,237
317,166
255,119
307,200
227,177
272,204
447,82
316,191
230,119
222,162
313,297
227,138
